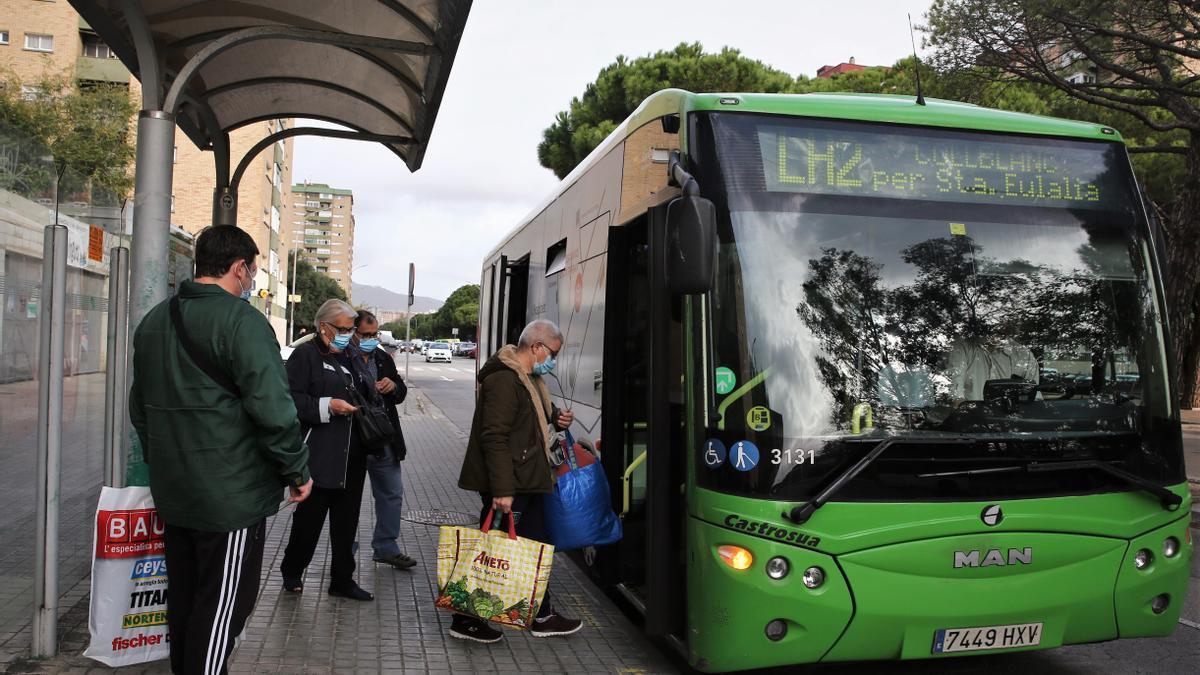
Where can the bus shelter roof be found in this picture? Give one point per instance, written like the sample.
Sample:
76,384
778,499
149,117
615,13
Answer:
379,67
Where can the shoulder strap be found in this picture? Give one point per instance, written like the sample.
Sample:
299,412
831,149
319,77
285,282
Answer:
202,362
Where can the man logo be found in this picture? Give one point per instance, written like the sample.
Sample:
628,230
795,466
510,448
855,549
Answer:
992,515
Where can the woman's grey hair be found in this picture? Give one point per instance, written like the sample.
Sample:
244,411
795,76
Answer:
333,309
539,330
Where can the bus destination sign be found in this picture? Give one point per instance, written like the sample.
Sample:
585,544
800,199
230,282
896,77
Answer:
1023,171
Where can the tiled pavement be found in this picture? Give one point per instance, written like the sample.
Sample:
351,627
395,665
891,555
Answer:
401,631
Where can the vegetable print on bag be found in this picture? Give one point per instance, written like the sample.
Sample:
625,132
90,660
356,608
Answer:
495,576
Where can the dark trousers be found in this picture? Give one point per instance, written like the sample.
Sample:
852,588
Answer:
212,583
530,514
342,505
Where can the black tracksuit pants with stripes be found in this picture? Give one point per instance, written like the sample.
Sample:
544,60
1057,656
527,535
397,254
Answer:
212,582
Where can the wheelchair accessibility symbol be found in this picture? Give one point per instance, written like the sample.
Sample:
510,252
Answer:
714,453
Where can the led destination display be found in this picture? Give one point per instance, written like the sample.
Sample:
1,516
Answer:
938,166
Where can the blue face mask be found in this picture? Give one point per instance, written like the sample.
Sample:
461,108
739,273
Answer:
545,367
247,291
341,340
368,345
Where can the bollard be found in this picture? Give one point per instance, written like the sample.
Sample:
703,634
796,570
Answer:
115,380
52,305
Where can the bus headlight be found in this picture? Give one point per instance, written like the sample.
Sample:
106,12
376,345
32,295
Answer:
736,557
1142,559
777,567
1171,547
814,577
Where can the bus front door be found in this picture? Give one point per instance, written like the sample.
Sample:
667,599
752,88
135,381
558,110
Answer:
642,426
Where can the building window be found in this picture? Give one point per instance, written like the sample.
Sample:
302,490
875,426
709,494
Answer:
274,264
3,37
94,47
39,43
274,220
660,155
172,203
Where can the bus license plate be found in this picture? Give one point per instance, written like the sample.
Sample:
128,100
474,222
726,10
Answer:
988,637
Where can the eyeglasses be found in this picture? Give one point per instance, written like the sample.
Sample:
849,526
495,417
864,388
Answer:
341,329
553,352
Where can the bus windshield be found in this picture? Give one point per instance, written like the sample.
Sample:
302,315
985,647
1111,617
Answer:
877,281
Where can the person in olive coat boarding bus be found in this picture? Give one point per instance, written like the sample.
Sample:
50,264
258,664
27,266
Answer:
508,456
337,458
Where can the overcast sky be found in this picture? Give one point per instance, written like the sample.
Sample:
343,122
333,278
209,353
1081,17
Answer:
520,63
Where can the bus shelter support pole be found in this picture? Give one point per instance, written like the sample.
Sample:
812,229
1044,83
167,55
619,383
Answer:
151,230
51,322
115,381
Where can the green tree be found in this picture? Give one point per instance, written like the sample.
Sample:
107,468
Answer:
623,85
314,288
461,311
85,129
1135,57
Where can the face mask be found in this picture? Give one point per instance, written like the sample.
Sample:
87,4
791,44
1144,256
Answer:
545,367
246,291
341,340
368,345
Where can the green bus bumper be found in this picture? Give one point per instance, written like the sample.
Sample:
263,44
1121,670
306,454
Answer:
887,602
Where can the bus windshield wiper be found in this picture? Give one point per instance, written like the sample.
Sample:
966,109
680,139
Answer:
1170,500
802,513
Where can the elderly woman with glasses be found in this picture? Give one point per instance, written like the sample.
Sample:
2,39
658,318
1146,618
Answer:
319,381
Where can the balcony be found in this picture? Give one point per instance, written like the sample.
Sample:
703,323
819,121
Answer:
101,70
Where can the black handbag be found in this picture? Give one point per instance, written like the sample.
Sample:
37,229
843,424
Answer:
375,430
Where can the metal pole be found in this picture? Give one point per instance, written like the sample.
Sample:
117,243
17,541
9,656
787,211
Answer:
115,378
292,293
412,281
151,234
51,324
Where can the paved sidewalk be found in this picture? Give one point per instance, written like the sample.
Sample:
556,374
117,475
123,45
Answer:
401,631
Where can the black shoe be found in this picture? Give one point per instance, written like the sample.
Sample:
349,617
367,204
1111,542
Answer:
351,591
476,630
399,561
554,625
293,585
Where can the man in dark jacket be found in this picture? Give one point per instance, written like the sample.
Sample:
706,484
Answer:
219,433
382,387
508,455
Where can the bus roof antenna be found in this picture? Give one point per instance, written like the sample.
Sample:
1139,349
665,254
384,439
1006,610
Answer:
920,98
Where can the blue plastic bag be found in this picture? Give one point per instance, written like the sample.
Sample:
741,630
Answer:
579,511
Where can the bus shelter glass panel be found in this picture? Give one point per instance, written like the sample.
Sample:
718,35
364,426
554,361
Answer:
33,194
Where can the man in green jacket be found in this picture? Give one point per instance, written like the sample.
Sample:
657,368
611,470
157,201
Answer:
220,436
508,456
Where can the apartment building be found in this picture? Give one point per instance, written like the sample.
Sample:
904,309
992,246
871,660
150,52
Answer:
40,39
321,227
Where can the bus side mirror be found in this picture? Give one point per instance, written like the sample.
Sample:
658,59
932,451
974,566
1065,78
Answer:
691,245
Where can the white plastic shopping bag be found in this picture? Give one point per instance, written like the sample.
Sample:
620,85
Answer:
128,619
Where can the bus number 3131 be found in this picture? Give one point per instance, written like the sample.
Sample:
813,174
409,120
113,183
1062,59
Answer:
792,456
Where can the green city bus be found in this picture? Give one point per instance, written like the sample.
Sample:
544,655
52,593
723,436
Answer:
870,378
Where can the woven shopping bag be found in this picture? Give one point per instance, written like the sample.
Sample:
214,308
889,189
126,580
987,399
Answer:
490,574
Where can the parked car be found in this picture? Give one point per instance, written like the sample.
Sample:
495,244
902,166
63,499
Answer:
287,350
437,351
462,348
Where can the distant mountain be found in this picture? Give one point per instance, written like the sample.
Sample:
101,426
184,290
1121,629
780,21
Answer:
381,298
